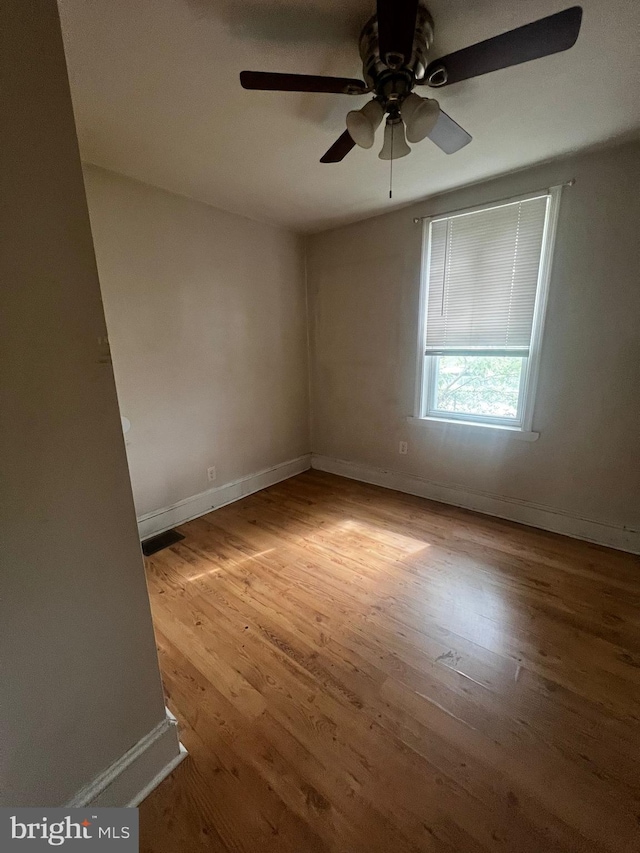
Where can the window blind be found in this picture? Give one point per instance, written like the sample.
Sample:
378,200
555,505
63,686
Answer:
483,277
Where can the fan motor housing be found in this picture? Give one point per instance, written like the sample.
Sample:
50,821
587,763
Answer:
393,85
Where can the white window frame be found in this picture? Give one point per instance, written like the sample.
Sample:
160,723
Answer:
427,364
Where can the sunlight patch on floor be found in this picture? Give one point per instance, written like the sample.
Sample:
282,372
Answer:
405,545
227,563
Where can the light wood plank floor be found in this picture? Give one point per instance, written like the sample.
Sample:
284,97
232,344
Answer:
362,671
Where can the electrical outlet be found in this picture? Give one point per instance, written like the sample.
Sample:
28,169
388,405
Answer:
211,474
404,448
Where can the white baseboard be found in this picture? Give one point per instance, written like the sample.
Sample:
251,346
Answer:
534,515
164,519
135,774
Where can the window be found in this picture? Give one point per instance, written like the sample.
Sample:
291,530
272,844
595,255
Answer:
485,277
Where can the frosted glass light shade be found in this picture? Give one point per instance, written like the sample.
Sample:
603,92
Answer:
395,145
420,116
362,124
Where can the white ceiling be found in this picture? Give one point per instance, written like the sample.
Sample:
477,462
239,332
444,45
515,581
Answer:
157,97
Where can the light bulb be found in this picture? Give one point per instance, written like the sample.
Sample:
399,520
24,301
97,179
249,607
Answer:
420,116
395,145
362,124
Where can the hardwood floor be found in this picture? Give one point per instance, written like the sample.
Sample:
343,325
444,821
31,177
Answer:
359,670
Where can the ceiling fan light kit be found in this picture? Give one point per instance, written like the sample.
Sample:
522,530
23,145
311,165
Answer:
362,124
395,143
419,115
394,48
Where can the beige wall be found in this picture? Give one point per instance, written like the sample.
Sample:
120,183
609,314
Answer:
79,676
363,291
207,324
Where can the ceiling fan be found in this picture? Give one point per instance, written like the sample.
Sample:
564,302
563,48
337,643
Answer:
394,46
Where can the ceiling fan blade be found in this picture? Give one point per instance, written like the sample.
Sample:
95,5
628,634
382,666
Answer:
396,30
448,135
267,81
533,41
339,149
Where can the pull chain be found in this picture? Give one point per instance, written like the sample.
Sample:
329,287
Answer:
393,133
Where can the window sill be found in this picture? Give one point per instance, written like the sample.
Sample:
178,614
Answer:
507,431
